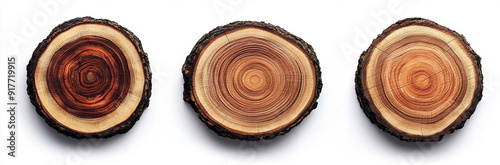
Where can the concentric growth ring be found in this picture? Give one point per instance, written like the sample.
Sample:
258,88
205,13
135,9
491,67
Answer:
251,80
419,80
90,78
94,80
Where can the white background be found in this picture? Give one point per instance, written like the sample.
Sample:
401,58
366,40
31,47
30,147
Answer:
169,132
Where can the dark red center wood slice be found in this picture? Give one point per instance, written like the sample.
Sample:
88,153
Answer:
251,80
419,80
90,78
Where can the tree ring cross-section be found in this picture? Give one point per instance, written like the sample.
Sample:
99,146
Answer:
419,80
89,78
251,80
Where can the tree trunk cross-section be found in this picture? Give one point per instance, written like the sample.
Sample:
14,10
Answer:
251,80
419,80
90,78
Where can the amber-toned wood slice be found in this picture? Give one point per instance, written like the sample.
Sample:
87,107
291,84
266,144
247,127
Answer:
419,80
89,78
251,80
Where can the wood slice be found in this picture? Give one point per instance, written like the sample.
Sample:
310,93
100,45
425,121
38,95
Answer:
419,80
90,78
251,80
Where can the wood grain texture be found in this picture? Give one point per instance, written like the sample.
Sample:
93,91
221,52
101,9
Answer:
90,78
419,80
251,80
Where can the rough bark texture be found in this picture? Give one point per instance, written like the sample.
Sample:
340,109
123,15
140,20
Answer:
375,116
120,128
192,58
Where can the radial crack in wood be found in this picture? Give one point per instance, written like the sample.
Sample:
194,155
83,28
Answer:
419,80
251,80
90,78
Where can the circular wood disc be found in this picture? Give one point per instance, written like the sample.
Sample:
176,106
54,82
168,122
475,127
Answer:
419,80
90,78
251,80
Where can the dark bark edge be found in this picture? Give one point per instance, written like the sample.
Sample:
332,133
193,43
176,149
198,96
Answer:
120,128
192,58
373,114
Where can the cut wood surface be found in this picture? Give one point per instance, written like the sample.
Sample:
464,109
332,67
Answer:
251,80
419,80
90,78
